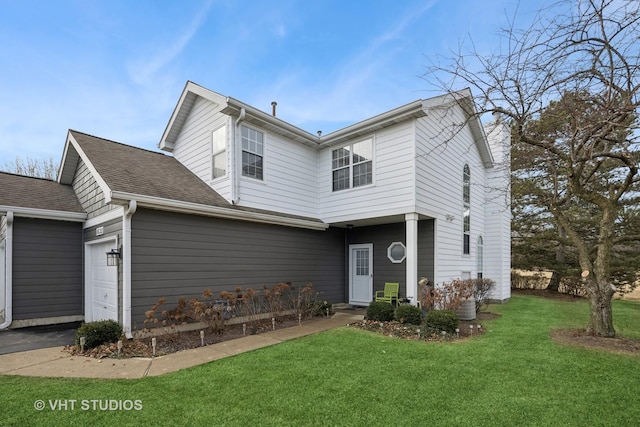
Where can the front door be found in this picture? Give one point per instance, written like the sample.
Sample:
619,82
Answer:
101,283
360,274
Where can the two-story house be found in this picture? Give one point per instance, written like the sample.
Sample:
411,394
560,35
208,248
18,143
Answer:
245,198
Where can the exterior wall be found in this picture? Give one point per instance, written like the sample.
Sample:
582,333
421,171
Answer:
381,236
176,255
392,191
442,150
193,146
498,235
47,269
89,192
290,177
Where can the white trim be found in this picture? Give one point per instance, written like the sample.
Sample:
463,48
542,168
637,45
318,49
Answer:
126,268
88,285
92,170
226,151
411,223
44,213
391,258
215,211
8,272
116,213
368,246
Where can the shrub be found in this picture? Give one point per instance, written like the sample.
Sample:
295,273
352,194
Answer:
442,320
380,311
447,296
99,332
409,314
481,291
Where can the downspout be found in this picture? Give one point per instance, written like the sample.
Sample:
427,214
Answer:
8,273
126,267
235,176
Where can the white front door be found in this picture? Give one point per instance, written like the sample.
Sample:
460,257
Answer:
360,274
101,283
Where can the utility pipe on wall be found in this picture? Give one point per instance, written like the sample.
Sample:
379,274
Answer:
126,267
235,175
8,273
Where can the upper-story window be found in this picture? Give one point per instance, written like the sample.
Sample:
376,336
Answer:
466,210
219,153
352,165
252,153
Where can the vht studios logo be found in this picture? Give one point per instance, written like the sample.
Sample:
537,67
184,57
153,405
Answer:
88,405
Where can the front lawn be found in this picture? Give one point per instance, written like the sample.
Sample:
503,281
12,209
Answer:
512,375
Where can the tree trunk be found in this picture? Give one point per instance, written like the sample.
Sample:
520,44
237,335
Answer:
601,316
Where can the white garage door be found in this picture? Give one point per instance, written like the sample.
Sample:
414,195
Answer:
102,284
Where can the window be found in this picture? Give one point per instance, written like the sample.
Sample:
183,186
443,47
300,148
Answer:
218,153
352,165
396,252
252,153
466,210
480,257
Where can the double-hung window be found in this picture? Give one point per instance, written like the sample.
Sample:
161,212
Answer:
352,165
219,153
466,210
252,153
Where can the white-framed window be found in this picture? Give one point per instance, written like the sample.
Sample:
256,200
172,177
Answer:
352,165
480,257
219,153
396,252
252,153
466,210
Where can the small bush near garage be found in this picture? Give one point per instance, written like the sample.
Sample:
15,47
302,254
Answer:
408,314
99,332
380,311
442,320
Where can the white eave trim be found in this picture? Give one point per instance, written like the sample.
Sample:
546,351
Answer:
214,211
92,170
44,214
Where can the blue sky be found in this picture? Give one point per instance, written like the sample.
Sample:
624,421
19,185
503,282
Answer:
116,68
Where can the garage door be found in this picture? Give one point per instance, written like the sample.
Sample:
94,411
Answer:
102,283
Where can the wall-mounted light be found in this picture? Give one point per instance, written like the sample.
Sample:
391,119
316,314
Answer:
113,256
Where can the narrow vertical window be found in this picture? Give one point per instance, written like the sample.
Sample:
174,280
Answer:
219,153
252,153
466,210
480,258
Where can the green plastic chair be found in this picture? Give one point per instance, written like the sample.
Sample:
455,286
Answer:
389,293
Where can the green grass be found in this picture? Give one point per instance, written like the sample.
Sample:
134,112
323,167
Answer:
513,375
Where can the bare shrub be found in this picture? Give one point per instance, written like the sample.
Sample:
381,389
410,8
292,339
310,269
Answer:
481,291
447,296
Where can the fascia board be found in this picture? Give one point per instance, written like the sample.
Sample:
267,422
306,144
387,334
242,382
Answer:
214,211
44,214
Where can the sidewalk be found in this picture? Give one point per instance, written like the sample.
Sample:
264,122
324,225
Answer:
54,362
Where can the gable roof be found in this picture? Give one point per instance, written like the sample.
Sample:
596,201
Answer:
156,180
38,198
236,108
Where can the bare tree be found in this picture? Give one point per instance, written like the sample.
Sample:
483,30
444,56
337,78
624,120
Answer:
40,168
588,49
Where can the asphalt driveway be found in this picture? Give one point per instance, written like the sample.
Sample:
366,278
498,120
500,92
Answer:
36,337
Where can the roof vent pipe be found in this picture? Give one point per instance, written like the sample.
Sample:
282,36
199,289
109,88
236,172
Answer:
319,133
273,108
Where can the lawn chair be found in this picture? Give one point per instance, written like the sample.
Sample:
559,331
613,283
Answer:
389,293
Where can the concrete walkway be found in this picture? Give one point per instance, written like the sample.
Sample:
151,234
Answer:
54,362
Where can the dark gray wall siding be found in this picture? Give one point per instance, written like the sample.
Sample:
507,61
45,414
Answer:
177,255
47,268
381,236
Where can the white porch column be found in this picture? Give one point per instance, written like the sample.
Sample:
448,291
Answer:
411,222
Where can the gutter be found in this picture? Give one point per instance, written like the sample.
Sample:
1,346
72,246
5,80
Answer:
8,273
235,172
215,211
126,267
44,213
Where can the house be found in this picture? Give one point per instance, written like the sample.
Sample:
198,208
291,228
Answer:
243,198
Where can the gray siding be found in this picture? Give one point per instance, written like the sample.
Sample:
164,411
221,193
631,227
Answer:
47,268
381,236
89,192
177,255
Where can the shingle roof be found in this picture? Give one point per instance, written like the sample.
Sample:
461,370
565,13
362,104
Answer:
133,170
37,193
137,171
